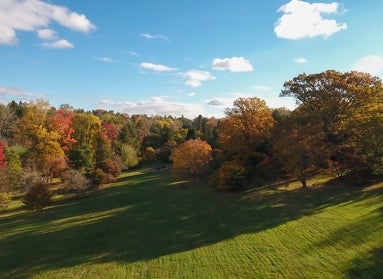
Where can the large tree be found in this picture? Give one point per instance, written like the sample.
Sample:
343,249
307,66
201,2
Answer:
344,103
246,127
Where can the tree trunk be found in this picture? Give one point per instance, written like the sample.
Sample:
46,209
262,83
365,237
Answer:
304,183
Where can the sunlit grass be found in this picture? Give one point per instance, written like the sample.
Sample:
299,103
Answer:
146,225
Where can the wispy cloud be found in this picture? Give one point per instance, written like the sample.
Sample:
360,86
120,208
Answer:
194,78
156,36
300,60
13,93
59,44
215,102
302,19
105,59
157,67
234,64
36,16
155,106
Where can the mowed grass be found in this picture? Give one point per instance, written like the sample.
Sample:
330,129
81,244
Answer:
147,226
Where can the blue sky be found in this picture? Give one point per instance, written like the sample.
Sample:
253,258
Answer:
186,57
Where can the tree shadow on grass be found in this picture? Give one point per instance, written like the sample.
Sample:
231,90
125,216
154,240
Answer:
144,217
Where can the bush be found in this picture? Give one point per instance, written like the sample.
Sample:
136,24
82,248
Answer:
98,177
75,181
37,197
4,200
111,167
29,178
230,176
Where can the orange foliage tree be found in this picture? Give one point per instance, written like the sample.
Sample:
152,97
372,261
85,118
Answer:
191,158
247,126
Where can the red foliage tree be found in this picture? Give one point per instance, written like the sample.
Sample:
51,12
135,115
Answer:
3,163
61,123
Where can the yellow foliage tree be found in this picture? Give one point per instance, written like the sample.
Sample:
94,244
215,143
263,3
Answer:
191,158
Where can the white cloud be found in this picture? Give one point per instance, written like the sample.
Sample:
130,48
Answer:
195,78
191,94
36,16
300,60
234,64
156,67
133,53
59,44
157,36
302,19
105,59
47,34
372,64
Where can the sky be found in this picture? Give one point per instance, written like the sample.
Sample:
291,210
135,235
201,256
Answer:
186,57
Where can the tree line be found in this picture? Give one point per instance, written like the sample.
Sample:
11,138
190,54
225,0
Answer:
337,124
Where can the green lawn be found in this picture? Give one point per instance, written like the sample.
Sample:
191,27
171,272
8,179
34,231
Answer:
146,226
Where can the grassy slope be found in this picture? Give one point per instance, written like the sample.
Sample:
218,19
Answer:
146,227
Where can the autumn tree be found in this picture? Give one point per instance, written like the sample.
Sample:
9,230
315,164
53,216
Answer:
299,146
191,158
61,123
246,128
341,102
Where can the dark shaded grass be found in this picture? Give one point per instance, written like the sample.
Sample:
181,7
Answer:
144,216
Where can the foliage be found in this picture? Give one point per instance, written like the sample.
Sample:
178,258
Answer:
343,103
28,178
38,196
129,156
191,158
149,154
3,163
5,199
299,146
106,172
61,123
230,176
75,181
111,167
246,127
81,157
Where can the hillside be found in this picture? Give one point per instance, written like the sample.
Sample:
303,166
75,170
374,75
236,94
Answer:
148,226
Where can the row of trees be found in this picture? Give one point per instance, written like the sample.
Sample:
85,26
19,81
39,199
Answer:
338,123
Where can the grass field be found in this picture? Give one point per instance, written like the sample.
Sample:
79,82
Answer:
146,226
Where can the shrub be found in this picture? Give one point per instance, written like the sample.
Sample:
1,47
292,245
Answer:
111,167
37,197
4,200
98,177
29,178
230,176
75,181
